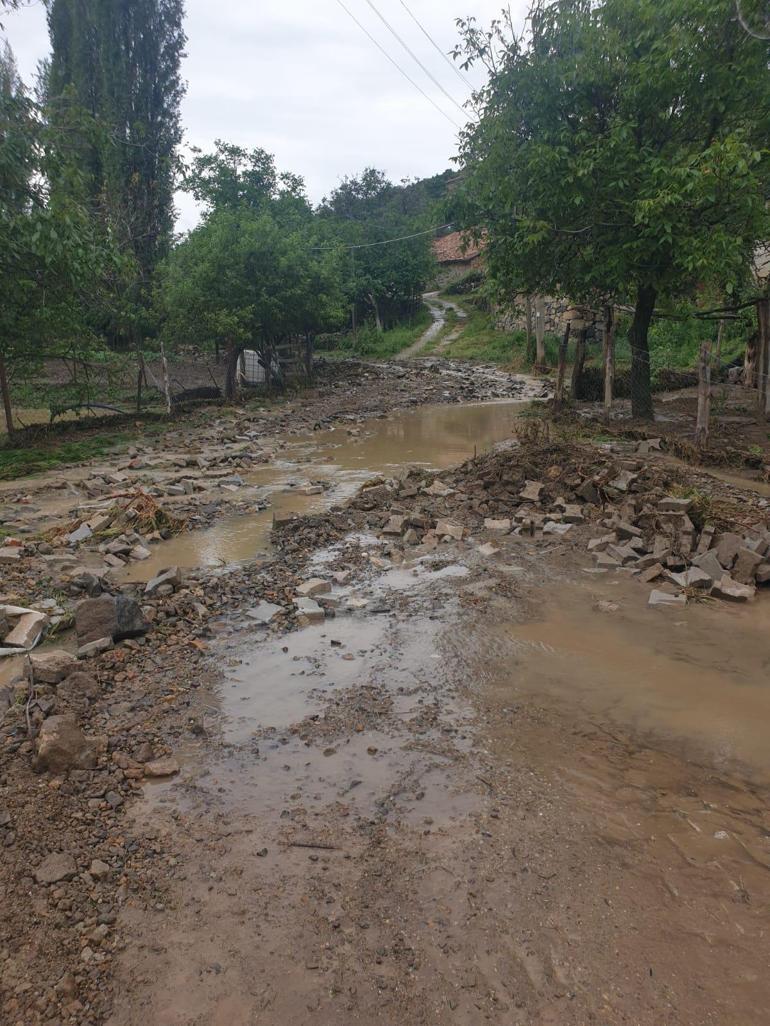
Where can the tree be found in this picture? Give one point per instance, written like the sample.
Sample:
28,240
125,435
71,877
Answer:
119,60
53,259
366,211
621,154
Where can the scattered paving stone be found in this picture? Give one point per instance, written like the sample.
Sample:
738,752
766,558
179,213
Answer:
663,598
157,768
56,867
52,667
315,586
62,746
733,591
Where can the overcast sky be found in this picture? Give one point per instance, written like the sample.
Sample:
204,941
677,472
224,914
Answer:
300,79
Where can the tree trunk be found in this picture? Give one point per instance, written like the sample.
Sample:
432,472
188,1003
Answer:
577,366
540,333
166,382
531,351
309,356
641,386
377,317
704,397
558,399
763,363
6,393
231,373
609,360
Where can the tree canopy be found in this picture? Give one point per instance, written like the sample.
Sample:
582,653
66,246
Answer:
621,153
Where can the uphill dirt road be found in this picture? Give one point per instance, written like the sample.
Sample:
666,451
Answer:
465,779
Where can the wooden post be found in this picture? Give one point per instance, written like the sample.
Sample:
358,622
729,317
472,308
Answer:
609,360
558,400
531,353
540,333
6,392
763,364
704,397
577,366
166,382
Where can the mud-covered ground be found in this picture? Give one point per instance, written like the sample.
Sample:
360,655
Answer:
488,785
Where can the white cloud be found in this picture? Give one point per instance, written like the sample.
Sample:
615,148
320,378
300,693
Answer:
301,80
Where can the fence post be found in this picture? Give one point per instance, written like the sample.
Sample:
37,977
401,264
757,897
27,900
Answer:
531,353
763,319
577,366
540,333
704,397
558,400
6,393
166,382
609,360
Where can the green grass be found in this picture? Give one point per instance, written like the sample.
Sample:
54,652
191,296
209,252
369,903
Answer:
23,462
482,340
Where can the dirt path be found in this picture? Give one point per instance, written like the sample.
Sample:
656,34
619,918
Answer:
489,785
438,310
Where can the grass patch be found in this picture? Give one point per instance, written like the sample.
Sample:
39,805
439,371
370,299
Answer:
482,340
382,344
23,462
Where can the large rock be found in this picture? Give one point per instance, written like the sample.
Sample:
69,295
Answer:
708,562
171,576
728,546
745,569
109,616
62,746
77,690
731,590
26,630
52,667
55,868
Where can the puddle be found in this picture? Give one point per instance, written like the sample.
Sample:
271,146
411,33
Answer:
435,437
697,682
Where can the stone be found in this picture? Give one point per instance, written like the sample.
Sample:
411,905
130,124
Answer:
438,488
82,533
95,648
498,525
695,577
625,530
9,554
27,629
706,540
488,550
308,611
354,604
264,612
733,591
763,574
745,567
662,598
315,586
651,573
708,562
672,505
728,547
52,667
159,768
395,525
623,481
56,867
606,562
99,870
77,689
140,553
600,544
531,491
622,553
412,537
573,515
171,575
109,616
551,527
589,493
114,561
62,746
448,528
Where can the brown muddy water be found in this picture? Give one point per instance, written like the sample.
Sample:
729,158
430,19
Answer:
435,437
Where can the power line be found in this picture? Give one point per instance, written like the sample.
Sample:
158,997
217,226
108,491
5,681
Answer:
389,242
435,45
415,58
397,66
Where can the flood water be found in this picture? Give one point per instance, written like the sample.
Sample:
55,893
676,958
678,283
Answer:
434,437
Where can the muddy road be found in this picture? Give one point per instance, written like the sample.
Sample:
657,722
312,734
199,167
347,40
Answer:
488,783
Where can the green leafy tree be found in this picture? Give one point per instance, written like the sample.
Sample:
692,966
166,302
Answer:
53,258
621,154
119,60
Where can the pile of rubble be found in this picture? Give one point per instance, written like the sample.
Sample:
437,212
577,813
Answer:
650,525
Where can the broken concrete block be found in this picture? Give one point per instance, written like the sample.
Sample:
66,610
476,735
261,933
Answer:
488,550
672,505
52,667
172,575
264,612
573,515
625,530
706,540
395,525
95,648
763,573
727,588
82,533
709,563
651,573
551,527
10,554
498,525
606,562
692,578
623,481
439,489
308,611
600,544
745,566
728,546
622,553
531,491
449,528
315,586
27,627
662,598
140,553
